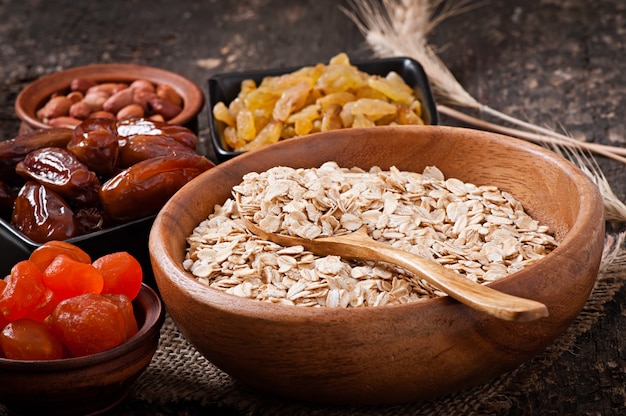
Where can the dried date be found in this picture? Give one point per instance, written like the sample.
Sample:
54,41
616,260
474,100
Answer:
96,144
61,171
143,188
143,146
42,215
14,150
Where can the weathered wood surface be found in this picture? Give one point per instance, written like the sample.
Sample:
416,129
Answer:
555,63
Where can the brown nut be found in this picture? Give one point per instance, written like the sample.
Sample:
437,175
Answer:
143,84
64,121
95,100
130,111
80,110
102,114
56,107
82,84
142,97
106,88
169,94
119,100
75,96
165,108
156,117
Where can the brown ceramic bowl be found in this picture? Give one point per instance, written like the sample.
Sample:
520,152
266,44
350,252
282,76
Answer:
390,354
85,385
36,94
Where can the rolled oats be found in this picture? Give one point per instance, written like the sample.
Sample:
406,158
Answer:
479,231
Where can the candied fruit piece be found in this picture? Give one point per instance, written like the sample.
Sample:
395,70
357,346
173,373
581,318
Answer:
43,255
221,113
292,99
88,324
27,339
121,272
67,277
126,307
268,135
24,290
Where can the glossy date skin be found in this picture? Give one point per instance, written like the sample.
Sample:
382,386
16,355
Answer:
133,127
95,143
143,188
13,151
143,146
42,215
102,173
62,172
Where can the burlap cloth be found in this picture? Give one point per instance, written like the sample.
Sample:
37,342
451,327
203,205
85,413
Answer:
179,373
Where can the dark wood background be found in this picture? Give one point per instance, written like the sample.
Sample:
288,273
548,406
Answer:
556,63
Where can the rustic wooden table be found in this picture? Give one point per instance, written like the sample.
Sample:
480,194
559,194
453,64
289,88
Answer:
555,63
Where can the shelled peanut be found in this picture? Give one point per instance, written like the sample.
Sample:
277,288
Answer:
88,98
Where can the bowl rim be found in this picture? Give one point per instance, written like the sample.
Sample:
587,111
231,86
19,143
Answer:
147,299
57,81
261,310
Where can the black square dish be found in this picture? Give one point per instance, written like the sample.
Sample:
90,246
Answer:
131,237
225,87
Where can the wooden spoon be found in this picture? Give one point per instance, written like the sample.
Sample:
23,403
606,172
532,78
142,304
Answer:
359,245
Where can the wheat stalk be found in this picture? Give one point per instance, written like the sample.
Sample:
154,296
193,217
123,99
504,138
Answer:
400,28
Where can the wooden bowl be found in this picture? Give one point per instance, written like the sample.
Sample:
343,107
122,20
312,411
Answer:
36,94
85,385
391,354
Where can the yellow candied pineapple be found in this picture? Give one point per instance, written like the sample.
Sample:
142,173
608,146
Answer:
406,116
246,131
231,138
221,113
337,98
303,120
268,135
331,119
339,78
399,92
292,99
372,108
261,99
315,98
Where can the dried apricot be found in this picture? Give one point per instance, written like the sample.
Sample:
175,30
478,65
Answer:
88,324
24,290
121,272
43,255
126,307
26,339
67,277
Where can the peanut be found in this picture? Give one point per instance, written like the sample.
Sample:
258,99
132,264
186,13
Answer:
95,100
130,111
102,114
114,100
119,100
142,84
165,108
75,96
80,110
64,121
82,84
56,107
169,94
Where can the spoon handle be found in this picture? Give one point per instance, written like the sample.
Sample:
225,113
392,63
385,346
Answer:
359,245
477,296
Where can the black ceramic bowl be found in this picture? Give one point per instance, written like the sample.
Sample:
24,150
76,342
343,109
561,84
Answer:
131,237
225,87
